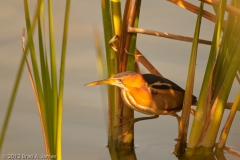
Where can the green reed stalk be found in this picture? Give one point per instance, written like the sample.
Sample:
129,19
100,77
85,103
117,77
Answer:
133,36
223,50
111,66
227,126
226,51
36,73
221,99
54,93
116,16
45,78
203,106
123,56
61,82
130,47
117,24
224,80
46,83
181,145
117,62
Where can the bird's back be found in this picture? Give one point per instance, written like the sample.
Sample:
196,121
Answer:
167,95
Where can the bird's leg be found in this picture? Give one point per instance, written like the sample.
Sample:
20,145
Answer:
192,111
179,126
123,122
134,120
145,118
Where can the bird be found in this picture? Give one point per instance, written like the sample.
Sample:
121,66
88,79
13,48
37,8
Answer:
148,94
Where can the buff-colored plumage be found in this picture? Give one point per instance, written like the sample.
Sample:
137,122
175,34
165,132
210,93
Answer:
148,93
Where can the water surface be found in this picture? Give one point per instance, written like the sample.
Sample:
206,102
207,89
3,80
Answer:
84,121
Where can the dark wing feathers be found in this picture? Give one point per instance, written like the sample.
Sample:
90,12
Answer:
161,83
157,82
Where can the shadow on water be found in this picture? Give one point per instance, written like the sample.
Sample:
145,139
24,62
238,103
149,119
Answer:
122,154
211,156
129,154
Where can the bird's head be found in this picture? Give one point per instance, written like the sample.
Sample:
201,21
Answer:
124,80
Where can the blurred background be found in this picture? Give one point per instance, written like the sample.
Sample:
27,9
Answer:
84,115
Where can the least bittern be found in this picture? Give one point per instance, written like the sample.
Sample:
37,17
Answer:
148,94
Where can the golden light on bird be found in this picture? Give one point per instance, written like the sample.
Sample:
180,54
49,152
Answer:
148,94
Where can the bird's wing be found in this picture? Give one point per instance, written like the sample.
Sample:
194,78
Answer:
160,86
157,82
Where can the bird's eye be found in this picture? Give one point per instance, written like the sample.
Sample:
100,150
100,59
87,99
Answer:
120,80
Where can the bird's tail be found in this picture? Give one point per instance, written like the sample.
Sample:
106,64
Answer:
194,100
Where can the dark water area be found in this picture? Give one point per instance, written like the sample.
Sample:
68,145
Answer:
84,131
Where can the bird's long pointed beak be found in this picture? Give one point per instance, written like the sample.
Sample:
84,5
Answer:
110,81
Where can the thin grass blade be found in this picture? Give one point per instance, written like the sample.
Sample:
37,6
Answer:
54,94
61,82
36,96
17,80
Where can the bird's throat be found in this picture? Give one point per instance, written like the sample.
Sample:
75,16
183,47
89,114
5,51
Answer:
138,99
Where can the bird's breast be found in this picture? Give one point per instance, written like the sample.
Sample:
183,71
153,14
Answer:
151,102
138,100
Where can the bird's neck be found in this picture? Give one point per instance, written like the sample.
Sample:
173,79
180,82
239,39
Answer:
140,96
